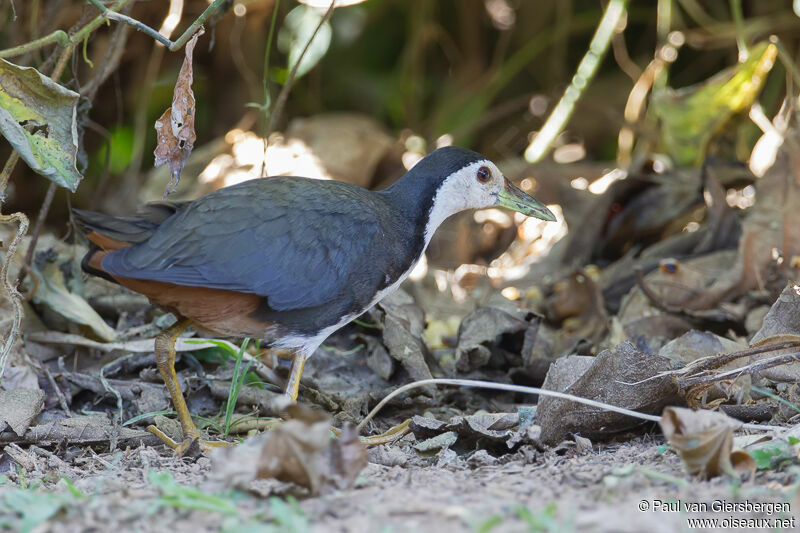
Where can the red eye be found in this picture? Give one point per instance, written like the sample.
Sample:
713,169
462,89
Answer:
484,174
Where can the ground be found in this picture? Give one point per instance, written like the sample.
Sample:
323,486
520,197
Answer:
563,489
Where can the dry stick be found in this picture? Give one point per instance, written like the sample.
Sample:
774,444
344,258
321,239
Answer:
37,230
758,366
715,361
62,400
528,390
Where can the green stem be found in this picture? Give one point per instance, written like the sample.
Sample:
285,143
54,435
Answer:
95,23
284,94
738,19
583,76
267,51
58,36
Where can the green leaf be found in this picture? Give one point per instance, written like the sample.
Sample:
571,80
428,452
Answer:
767,455
297,29
38,118
690,117
183,497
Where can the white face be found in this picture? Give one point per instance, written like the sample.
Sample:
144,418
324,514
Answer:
473,187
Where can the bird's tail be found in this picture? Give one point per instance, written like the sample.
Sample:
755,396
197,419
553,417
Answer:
107,233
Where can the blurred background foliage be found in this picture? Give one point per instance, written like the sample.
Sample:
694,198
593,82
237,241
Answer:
479,73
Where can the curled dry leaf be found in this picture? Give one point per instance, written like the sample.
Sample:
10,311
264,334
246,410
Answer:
301,450
175,128
704,442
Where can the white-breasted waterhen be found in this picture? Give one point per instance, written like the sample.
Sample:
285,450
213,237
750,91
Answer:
285,259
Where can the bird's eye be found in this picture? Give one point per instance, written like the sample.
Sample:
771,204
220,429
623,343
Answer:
484,174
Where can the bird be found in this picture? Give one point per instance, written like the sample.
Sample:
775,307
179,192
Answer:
289,260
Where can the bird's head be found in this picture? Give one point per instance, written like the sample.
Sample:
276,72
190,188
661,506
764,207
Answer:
467,180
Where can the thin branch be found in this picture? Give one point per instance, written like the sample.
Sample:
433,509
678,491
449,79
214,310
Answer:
125,19
37,230
58,36
280,103
112,14
752,368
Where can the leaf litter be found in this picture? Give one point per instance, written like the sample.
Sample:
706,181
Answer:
633,312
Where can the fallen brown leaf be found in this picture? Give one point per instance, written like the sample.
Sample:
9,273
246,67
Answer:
704,442
302,450
622,376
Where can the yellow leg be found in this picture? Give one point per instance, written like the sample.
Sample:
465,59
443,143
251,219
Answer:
387,437
293,383
293,387
165,360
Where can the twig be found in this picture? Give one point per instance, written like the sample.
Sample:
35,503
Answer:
705,364
528,390
58,36
11,288
280,103
62,400
111,14
583,76
758,366
107,386
37,229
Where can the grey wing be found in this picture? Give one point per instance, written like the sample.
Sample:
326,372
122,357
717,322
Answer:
295,242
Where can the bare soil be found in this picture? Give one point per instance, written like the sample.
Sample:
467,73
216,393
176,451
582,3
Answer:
563,489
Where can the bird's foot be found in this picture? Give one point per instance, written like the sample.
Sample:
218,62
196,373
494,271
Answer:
389,436
190,446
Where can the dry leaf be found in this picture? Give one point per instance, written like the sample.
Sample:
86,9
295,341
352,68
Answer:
301,450
481,328
704,442
175,128
622,376
403,328
19,407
